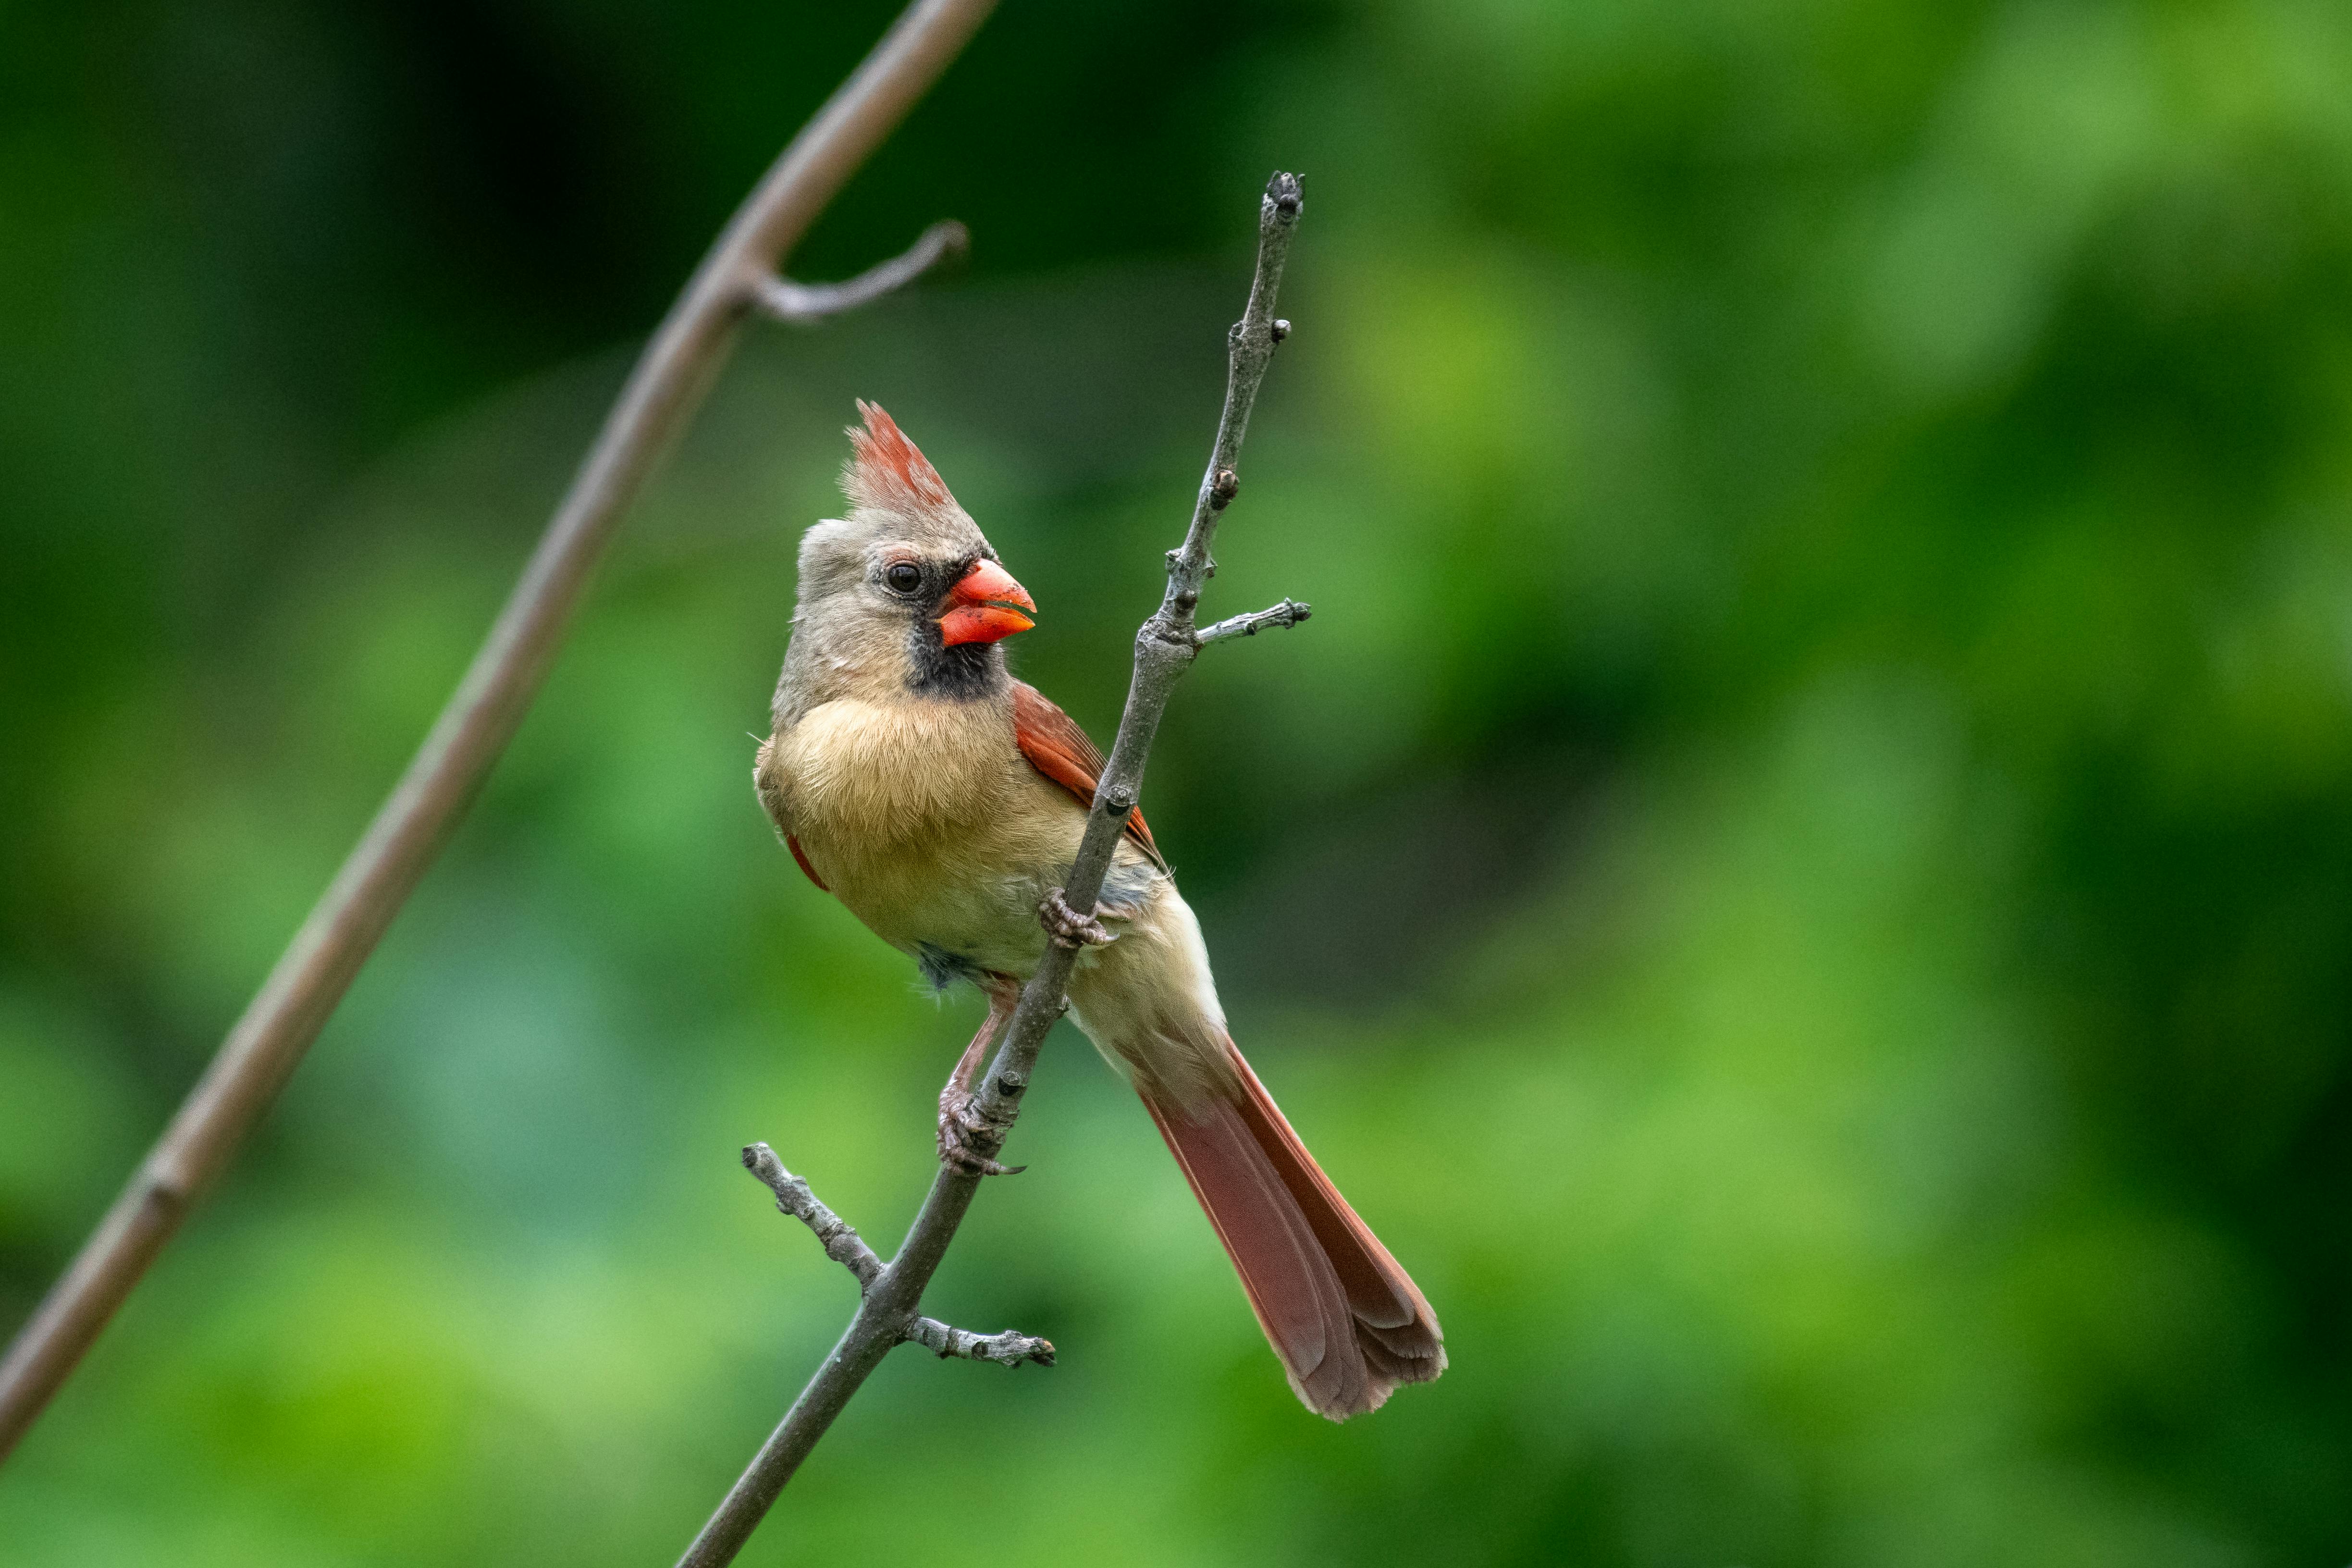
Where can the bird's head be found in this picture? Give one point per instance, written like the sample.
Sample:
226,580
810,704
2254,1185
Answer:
905,589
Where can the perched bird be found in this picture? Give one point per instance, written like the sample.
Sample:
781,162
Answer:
942,801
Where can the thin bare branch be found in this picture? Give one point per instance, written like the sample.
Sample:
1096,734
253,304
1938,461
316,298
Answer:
835,1234
1164,649
268,1042
802,304
1286,614
1007,1349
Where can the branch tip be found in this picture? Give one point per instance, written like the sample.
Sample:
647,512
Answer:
1288,613
947,1342
795,1197
1283,194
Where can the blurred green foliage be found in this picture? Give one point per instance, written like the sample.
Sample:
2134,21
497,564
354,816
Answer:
1801,874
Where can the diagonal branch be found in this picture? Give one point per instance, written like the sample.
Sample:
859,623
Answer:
804,304
268,1042
1164,649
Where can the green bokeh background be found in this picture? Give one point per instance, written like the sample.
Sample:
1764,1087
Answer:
1801,874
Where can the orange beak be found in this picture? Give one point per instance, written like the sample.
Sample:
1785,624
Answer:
985,606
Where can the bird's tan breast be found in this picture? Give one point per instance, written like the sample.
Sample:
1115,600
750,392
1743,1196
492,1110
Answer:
924,818
868,774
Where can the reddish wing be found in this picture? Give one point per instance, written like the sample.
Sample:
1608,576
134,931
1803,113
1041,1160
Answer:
1058,748
794,845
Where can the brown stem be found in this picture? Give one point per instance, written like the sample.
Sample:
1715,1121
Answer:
802,304
1163,649
267,1043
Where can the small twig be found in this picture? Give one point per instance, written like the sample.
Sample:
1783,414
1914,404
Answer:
802,304
1286,613
1007,1349
1164,649
835,1234
482,715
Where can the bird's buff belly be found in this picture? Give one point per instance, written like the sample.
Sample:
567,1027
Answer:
973,922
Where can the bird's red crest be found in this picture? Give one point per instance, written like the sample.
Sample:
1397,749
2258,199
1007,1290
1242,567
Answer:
887,470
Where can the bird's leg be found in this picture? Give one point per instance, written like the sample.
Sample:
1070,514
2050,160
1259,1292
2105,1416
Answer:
968,1138
1067,926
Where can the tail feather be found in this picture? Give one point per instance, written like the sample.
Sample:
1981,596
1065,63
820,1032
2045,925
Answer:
1347,1322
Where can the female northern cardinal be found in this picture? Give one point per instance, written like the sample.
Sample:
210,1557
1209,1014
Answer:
942,801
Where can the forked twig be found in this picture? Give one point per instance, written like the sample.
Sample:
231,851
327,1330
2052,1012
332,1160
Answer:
844,1245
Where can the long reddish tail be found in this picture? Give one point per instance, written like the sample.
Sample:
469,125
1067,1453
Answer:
1347,1321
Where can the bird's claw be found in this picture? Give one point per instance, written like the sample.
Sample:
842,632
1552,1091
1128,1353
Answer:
969,1138
1067,926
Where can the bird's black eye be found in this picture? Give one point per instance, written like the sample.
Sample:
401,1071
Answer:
904,576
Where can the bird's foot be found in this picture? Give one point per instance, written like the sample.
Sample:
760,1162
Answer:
1067,926
969,1138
